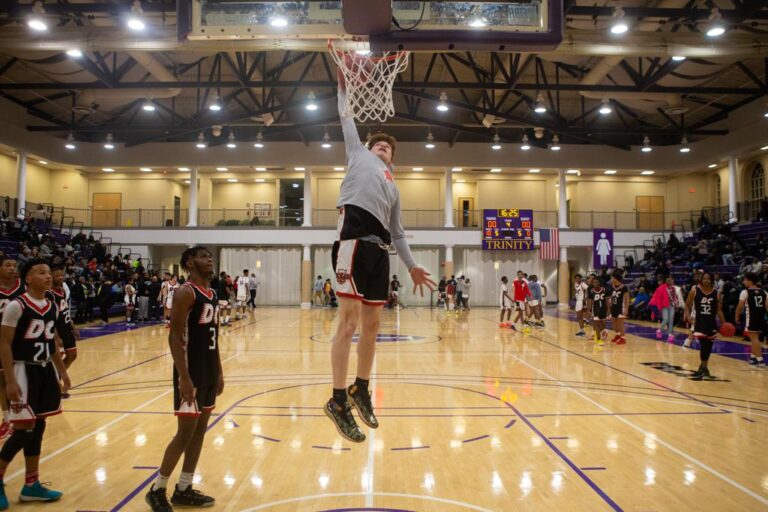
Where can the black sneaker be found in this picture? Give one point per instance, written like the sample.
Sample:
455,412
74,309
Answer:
157,500
191,498
701,373
362,402
344,421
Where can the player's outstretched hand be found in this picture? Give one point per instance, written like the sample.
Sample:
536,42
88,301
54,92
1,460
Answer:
420,279
66,384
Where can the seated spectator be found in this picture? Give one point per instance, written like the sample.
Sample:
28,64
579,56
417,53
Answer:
638,309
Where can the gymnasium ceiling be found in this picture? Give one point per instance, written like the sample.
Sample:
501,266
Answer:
265,90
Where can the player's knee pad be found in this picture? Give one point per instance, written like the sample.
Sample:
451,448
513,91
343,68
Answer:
35,440
15,444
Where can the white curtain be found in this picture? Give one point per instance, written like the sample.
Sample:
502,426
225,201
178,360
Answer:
485,269
278,271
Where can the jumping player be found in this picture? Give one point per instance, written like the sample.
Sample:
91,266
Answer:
242,295
130,301
521,294
506,305
597,304
619,307
32,367
65,328
197,380
580,293
754,301
701,307
369,222
10,288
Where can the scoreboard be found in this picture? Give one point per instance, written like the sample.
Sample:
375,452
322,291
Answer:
508,230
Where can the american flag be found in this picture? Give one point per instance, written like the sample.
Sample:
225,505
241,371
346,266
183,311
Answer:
549,244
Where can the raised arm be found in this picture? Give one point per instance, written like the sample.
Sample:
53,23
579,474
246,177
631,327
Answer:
348,128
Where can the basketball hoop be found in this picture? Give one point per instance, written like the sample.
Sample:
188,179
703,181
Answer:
368,80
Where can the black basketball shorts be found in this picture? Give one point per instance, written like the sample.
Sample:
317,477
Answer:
40,392
205,396
362,271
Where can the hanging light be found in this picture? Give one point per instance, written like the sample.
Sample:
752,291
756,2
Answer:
678,58
201,143
430,141
215,104
646,145
36,21
555,146
716,27
619,23
231,142
539,108
74,53
326,140
526,146
477,23
496,143
311,105
605,109
684,146
148,106
443,105
259,141
135,21
70,142
108,143
278,22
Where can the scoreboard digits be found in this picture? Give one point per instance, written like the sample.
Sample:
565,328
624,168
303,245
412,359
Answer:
508,229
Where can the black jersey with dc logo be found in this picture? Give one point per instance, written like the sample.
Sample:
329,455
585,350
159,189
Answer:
9,294
64,323
705,309
202,337
754,301
33,337
618,297
599,301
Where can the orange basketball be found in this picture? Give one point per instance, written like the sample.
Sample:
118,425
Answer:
727,329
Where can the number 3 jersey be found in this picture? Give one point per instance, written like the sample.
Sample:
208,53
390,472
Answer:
34,322
202,337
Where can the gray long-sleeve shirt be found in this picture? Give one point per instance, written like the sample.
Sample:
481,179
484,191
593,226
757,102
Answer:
370,185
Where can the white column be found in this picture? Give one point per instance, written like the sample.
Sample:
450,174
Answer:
449,253
563,201
307,199
21,183
563,279
192,213
448,198
448,263
306,278
733,165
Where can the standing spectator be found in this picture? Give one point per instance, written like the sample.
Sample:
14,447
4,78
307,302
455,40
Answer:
252,284
104,300
79,298
327,292
465,295
459,292
441,291
318,296
394,292
153,293
143,291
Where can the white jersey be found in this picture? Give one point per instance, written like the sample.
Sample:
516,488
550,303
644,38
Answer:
581,291
130,295
504,301
170,290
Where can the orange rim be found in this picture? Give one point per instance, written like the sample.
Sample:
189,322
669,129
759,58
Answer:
352,53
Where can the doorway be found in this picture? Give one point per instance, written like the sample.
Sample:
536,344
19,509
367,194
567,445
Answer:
106,208
176,210
467,212
650,212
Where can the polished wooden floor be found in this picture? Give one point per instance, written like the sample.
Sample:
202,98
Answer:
473,417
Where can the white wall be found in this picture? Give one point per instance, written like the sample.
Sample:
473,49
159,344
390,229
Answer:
277,269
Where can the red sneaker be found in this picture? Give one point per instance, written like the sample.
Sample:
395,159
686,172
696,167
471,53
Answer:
616,338
5,430
621,341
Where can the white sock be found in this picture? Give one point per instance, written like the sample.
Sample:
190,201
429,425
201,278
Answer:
226,319
161,482
185,480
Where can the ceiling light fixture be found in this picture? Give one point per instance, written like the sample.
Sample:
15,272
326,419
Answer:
278,22
70,142
183,169
496,170
534,171
299,168
259,141
134,20
763,148
148,106
555,146
619,23
418,169
74,53
260,169
716,27
108,143
430,141
525,146
338,168
231,142
539,107
646,145
647,173
215,104
108,169
605,108
201,143
232,180
477,23
443,105
457,169
684,145
311,104
222,169
145,169
678,58
572,171
43,162
712,166
187,182
496,143
326,141
259,180
610,171
36,21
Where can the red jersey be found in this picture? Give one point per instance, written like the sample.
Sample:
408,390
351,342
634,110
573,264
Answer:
521,290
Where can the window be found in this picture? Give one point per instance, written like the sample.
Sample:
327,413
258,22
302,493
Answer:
718,190
757,183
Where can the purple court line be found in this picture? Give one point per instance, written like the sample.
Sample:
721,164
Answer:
473,439
312,407
276,415
568,461
596,468
511,422
120,370
624,414
749,420
330,448
558,438
145,467
404,448
267,438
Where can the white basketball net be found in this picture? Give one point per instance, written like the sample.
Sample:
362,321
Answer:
369,82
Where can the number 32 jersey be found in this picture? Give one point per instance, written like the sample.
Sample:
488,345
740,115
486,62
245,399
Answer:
202,337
